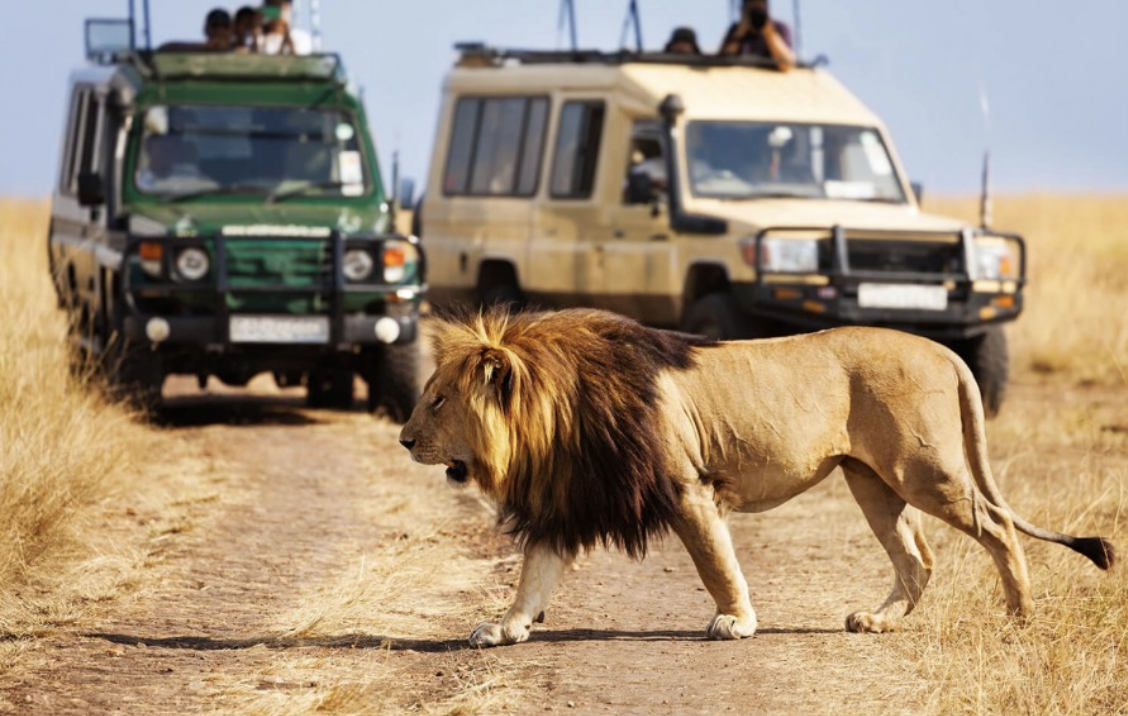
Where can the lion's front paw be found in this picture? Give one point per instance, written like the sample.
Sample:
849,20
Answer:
867,623
489,634
727,627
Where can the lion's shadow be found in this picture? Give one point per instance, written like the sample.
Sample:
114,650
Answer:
373,641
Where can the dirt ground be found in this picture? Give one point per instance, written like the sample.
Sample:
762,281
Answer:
313,566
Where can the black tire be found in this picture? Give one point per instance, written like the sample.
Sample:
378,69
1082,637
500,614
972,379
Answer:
330,389
134,373
717,316
393,381
503,294
988,358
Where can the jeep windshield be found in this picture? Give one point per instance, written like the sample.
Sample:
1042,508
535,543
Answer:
194,150
761,160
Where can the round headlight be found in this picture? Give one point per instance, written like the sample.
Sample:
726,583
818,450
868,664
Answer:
192,264
358,265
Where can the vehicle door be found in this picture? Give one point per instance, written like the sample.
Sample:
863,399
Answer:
78,227
633,243
563,266
491,173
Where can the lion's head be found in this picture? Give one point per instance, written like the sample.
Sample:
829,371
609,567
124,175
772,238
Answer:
555,416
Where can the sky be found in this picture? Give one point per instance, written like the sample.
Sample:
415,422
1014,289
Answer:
1053,75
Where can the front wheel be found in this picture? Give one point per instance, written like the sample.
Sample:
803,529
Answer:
988,358
716,316
393,381
330,389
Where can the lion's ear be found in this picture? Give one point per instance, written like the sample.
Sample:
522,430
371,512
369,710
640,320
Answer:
497,370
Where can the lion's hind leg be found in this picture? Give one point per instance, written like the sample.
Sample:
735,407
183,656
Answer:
706,536
897,526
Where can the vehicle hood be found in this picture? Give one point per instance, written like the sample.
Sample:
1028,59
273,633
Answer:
755,215
286,219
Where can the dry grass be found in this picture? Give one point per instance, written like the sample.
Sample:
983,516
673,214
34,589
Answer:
1062,460
60,443
1077,300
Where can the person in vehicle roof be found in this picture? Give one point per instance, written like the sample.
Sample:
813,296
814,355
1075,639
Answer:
758,35
218,31
248,29
683,42
300,40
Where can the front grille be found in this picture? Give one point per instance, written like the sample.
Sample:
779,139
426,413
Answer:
903,256
281,264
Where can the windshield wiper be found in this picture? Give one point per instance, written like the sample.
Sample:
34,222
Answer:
301,190
234,190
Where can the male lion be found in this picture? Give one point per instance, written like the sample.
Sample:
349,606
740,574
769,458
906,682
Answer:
586,428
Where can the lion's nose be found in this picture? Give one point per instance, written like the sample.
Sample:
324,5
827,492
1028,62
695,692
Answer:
407,443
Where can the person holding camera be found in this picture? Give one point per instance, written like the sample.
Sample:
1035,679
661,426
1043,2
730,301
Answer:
758,35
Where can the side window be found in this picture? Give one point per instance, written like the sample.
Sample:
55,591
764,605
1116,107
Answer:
91,132
496,146
73,147
577,149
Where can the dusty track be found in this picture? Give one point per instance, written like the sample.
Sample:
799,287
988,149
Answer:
240,604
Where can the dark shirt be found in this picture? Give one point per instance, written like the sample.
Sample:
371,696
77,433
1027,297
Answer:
754,45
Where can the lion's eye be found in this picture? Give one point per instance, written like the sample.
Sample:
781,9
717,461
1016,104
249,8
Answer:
438,403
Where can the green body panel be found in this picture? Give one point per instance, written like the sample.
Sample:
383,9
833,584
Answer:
266,257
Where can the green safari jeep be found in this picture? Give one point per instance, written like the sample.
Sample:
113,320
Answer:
224,215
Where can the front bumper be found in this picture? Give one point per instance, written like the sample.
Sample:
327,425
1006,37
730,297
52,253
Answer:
830,298
213,333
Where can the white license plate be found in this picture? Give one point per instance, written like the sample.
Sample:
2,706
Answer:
908,296
279,329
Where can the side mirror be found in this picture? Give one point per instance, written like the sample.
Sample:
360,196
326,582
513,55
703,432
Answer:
91,189
405,193
640,188
918,191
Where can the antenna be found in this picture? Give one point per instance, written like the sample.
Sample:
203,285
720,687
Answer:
798,29
568,14
632,18
985,204
148,27
315,24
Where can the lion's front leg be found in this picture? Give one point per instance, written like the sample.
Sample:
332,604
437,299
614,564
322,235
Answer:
706,536
541,571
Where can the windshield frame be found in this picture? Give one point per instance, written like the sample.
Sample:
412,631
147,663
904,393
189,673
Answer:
691,186
371,181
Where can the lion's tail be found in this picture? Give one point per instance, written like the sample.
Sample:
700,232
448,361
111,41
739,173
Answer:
1097,549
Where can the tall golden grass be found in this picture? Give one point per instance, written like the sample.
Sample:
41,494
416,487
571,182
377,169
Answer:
1077,299
60,443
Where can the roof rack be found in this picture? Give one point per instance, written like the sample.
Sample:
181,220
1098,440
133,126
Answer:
476,54
187,64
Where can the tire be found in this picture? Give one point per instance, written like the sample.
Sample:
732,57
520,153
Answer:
717,316
330,389
504,295
134,373
988,358
393,381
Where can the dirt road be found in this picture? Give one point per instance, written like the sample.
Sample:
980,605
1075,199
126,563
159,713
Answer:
312,566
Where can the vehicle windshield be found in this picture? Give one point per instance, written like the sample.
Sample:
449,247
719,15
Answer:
196,150
750,160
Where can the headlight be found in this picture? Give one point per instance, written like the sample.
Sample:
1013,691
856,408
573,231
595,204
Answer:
357,265
997,259
784,255
397,255
192,264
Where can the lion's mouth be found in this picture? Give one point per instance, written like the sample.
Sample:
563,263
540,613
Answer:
456,471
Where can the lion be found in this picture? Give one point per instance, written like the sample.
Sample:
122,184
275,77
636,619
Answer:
586,428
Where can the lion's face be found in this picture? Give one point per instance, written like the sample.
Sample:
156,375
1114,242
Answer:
442,429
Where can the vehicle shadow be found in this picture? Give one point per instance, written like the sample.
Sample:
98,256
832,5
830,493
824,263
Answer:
373,641
233,410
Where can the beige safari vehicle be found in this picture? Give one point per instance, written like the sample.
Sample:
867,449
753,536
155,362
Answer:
712,195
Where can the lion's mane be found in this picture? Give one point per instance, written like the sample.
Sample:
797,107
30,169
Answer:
568,441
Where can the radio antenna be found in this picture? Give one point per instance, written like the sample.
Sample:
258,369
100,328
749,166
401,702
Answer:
568,15
632,19
798,30
985,203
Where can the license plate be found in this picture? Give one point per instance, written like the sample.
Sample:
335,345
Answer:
279,329
907,296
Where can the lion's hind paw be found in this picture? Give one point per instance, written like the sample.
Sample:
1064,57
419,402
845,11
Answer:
728,627
489,634
867,623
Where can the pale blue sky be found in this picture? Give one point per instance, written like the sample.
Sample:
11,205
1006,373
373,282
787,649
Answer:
1056,74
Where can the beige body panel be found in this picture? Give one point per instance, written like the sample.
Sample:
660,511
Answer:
600,252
